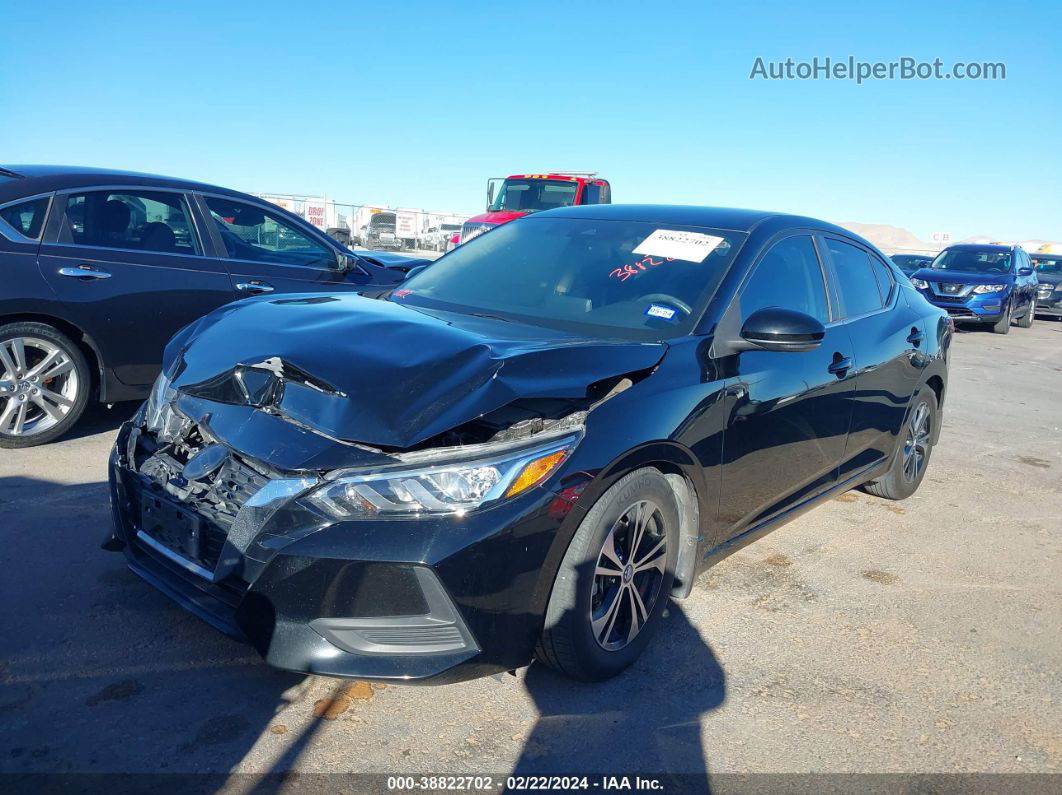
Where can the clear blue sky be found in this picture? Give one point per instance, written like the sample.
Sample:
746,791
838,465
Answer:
416,104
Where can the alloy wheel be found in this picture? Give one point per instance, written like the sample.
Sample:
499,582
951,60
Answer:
628,577
916,447
38,385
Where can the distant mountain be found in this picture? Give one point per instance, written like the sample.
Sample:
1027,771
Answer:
890,239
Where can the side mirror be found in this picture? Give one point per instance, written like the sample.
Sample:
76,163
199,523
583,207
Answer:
1025,271
778,329
413,272
492,186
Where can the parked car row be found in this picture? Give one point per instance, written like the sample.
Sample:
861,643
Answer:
102,267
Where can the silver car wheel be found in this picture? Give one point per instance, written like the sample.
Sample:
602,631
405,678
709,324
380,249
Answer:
38,385
628,577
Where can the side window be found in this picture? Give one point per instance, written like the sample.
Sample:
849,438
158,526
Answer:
597,193
856,281
27,218
886,281
788,276
140,220
253,233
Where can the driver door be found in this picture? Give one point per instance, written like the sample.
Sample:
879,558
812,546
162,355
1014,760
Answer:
788,412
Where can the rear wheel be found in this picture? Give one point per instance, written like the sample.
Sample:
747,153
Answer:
614,581
44,384
1002,326
911,458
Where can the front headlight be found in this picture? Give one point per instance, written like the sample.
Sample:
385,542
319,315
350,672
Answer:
159,415
921,284
458,482
981,289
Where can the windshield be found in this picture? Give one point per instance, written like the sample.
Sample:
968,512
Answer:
1047,264
607,278
529,195
972,260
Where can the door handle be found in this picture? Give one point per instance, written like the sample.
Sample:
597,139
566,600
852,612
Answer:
915,337
840,365
86,273
254,287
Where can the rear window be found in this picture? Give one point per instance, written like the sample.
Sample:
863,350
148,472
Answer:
26,218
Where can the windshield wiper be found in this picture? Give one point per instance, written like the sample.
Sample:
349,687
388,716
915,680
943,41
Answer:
490,317
6,172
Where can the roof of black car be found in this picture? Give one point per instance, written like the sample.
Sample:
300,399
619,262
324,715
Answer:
50,177
689,215
981,247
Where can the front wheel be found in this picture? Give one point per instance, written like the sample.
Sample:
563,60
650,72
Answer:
614,581
1002,326
911,458
44,384
1030,315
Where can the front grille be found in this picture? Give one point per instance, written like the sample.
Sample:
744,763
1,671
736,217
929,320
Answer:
957,299
474,229
950,290
215,499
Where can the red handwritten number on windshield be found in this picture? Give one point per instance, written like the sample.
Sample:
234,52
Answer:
625,272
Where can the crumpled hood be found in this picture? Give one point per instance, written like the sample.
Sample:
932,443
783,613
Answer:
961,277
382,373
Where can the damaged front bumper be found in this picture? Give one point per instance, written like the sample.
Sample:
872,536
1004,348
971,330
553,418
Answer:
439,598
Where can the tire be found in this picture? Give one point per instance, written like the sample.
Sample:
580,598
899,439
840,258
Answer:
577,638
36,408
1027,319
1002,326
897,483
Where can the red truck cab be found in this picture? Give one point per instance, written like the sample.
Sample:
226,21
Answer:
516,196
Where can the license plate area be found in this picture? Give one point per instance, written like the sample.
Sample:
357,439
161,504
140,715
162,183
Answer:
171,525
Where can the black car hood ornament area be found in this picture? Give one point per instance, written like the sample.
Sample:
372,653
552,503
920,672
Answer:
379,373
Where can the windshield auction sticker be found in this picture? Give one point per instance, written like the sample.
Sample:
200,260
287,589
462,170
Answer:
673,244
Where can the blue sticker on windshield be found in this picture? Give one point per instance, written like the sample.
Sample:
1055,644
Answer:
659,310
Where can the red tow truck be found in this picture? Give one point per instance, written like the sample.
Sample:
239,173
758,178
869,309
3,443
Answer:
513,197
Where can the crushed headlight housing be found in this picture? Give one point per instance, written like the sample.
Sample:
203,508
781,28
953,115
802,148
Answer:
159,415
457,481
981,289
921,284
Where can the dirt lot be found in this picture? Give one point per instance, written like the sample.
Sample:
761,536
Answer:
922,636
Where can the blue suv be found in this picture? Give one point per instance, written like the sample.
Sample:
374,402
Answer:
981,283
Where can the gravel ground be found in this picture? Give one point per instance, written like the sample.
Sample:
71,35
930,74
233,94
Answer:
867,636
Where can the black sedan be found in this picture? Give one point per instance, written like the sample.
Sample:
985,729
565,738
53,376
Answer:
100,268
530,446
909,263
1049,284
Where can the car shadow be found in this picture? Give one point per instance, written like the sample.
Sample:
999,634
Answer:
645,721
102,677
